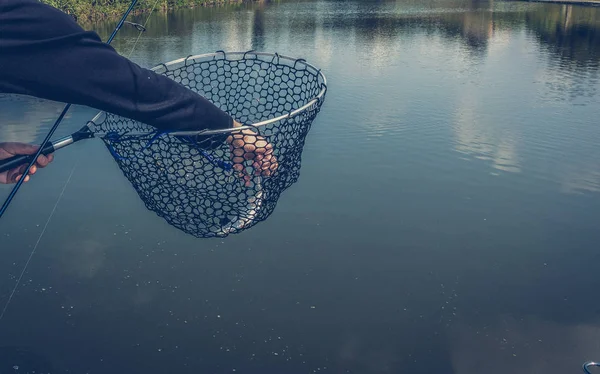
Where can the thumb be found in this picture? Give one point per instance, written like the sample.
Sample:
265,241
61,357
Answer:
20,148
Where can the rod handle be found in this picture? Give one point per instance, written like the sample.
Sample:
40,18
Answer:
16,161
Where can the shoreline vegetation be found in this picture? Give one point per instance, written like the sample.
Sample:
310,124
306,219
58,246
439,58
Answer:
86,11
91,11
568,2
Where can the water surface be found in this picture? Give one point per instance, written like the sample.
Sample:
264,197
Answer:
445,220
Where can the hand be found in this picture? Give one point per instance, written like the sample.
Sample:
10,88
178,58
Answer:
8,150
247,145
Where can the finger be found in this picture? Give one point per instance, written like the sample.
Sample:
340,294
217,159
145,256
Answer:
249,139
265,161
238,161
11,176
243,174
261,143
264,150
266,172
239,167
261,168
21,169
238,152
43,161
20,176
266,166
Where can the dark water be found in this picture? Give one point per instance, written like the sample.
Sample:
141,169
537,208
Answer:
446,218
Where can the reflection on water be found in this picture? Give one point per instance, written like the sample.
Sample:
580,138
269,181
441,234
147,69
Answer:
21,122
585,179
570,32
476,137
570,36
444,219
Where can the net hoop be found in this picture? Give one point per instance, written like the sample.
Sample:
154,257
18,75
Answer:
167,66
203,185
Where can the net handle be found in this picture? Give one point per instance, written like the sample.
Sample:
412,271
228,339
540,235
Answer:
279,57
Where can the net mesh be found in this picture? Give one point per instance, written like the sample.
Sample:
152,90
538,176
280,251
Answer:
216,185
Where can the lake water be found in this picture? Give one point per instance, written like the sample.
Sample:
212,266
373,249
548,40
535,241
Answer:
445,220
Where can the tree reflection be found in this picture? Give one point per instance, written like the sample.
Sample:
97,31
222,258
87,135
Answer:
569,33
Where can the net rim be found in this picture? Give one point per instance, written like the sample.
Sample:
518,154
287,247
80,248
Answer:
165,66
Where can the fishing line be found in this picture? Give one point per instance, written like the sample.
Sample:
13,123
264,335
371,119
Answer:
142,29
48,136
171,174
37,243
46,141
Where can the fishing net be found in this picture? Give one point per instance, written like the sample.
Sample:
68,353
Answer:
213,185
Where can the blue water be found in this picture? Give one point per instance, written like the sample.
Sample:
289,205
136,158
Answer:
445,220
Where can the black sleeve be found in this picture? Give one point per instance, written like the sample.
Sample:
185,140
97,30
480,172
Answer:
46,54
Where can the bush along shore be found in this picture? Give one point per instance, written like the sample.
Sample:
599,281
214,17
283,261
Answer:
85,11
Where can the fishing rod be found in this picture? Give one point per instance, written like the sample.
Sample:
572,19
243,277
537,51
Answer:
46,143
88,131
47,146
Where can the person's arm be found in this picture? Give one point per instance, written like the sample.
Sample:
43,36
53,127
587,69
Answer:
46,54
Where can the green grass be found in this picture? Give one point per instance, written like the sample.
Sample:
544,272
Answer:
95,10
